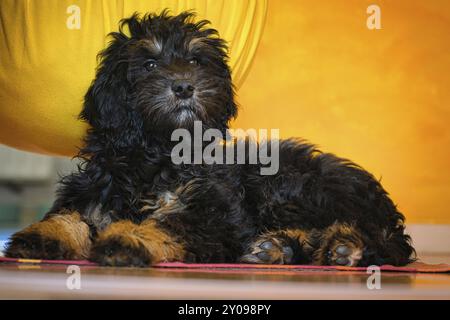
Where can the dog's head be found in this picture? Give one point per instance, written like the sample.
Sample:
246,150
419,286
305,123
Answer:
167,70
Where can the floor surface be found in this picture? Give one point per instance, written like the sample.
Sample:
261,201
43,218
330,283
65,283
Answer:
54,282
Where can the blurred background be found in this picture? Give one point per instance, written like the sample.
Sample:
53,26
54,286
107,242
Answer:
378,97
27,187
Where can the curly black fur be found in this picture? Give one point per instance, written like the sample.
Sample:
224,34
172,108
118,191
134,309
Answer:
215,211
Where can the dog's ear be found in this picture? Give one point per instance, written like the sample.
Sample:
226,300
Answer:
105,103
230,114
220,49
231,106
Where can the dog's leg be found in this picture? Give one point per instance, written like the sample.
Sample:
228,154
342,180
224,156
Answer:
290,246
124,243
59,236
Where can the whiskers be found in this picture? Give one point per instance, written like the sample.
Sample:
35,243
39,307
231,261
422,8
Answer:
166,107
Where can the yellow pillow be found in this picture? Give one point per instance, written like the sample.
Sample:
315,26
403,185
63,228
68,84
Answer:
48,57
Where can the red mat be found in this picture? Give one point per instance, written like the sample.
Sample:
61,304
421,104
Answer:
413,267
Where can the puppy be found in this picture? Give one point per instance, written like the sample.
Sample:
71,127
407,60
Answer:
128,204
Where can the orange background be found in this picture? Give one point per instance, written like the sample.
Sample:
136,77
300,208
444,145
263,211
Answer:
378,97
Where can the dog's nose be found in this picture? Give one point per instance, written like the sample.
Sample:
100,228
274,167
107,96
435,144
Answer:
183,89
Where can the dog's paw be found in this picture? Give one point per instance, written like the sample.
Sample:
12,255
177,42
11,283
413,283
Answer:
34,245
341,245
268,250
344,255
117,251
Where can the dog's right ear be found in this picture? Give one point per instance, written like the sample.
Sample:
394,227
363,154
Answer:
106,99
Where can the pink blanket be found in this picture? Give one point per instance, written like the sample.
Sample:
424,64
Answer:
413,267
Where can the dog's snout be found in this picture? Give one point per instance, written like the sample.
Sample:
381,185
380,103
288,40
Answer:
183,89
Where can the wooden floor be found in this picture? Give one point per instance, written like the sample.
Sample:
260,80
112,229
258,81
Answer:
49,282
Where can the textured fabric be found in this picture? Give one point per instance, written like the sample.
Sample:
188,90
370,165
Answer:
413,267
48,58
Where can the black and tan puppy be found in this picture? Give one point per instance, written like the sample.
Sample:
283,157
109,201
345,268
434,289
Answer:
129,204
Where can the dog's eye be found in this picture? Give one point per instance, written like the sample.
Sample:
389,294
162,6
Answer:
194,62
150,64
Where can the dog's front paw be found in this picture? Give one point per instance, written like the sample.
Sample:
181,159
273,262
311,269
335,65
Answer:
35,245
268,250
118,251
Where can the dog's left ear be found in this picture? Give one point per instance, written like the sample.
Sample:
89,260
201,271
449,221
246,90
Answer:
105,103
228,87
231,112
231,106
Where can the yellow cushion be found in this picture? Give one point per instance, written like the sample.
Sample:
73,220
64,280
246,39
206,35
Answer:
48,57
